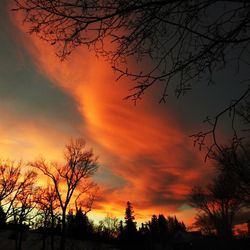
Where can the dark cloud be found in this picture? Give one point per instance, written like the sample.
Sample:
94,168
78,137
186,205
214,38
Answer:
169,199
108,178
146,151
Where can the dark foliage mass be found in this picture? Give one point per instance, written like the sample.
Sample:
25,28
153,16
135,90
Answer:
226,196
38,211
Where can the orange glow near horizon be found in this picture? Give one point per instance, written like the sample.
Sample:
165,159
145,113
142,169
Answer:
149,159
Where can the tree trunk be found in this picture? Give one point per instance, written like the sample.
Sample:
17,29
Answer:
20,239
19,236
63,233
52,231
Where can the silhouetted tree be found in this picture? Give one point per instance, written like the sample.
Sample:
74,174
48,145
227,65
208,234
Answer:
129,231
80,165
78,225
130,227
16,194
163,228
144,237
184,41
233,160
84,226
47,206
218,203
121,230
204,223
160,232
175,226
154,228
23,205
2,218
11,184
110,227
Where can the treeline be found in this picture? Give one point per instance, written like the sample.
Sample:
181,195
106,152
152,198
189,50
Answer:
126,234
53,200
57,207
24,204
158,232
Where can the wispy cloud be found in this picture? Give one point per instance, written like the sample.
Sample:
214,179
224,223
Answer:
145,155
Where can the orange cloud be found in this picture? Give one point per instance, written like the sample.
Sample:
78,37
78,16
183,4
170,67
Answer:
146,156
27,139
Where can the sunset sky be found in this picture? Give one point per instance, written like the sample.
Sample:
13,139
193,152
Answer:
145,153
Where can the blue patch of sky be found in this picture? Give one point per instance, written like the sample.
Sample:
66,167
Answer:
24,90
107,177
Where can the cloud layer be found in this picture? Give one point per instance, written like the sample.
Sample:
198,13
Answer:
146,157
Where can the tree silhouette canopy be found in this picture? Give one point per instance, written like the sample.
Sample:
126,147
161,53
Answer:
218,204
81,164
174,43
184,39
234,160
